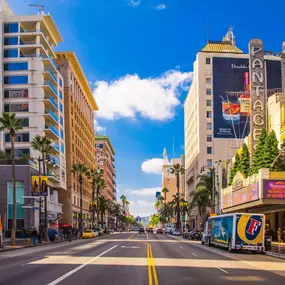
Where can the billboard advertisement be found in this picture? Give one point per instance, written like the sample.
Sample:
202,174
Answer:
231,99
38,190
274,189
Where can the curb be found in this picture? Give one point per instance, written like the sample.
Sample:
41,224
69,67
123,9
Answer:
30,246
274,254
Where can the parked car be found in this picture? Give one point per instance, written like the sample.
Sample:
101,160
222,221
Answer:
141,230
176,232
150,230
186,233
159,231
195,235
88,234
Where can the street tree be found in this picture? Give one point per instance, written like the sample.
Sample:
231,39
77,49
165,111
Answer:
258,153
164,191
234,169
244,165
9,123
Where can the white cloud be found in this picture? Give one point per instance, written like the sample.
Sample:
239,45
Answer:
99,128
134,2
130,96
160,7
142,208
153,166
145,191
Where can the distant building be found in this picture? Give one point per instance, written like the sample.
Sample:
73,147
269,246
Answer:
105,156
168,179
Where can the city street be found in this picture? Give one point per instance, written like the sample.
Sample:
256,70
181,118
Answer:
133,258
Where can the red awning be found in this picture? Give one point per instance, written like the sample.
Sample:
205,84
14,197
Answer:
65,225
54,225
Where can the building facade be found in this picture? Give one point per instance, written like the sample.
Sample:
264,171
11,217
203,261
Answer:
32,87
216,110
106,164
79,129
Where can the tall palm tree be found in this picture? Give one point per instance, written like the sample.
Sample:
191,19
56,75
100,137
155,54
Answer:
117,211
166,212
159,202
80,170
101,184
124,201
103,206
95,177
10,123
177,170
44,146
206,182
164,191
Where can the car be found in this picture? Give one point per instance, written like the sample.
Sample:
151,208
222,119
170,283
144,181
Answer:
100,231
176,232
88,234
186,233
195,235
96,233
150,230
141,230
159,231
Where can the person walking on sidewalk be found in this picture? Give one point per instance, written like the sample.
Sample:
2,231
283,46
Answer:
34,236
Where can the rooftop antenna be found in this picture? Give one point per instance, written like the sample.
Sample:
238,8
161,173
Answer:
41,10
208,31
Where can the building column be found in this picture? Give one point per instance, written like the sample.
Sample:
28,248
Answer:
38,26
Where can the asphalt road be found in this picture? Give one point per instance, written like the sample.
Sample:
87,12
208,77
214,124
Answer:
136,259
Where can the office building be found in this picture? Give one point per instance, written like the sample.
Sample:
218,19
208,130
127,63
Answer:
32,88
216,110
79,110
106,164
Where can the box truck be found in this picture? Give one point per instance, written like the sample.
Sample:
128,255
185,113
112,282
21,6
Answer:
236,231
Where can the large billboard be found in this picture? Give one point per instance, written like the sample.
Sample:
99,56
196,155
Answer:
231,99
274,189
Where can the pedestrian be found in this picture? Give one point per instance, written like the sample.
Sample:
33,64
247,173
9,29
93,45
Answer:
34,236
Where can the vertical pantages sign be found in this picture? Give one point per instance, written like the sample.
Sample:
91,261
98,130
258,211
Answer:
257,92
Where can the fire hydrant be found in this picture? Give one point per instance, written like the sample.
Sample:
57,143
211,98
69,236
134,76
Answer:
28,241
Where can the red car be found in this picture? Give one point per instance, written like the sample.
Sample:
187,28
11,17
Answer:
159,231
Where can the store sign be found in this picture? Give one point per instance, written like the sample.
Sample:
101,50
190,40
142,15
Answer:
274,189
257,92
241,196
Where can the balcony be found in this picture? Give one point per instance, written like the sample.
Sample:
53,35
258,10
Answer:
50,102
54,160
49,61
49,73
51,114
55,146
52,176
49,128
49,87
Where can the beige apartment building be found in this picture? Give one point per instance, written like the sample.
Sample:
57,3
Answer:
216,110
80,139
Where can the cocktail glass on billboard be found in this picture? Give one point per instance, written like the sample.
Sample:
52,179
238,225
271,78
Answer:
231,111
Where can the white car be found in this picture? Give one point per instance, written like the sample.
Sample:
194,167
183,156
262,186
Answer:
176,233
96,233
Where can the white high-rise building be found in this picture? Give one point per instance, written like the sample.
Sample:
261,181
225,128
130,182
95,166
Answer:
32,87
216,110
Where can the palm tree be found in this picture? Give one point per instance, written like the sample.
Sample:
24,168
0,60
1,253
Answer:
166,212
177,170
117,211
124,201
43,145
81,170
103,206
101,184
164,191
95,177
10,123
159,202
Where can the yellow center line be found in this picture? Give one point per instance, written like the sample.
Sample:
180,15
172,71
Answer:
150,262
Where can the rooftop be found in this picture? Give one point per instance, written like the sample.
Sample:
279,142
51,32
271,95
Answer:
220,47
80,75
106,138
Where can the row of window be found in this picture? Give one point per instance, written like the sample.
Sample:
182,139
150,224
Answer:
16,79
15,66
16,107
19,152
23,137
14,93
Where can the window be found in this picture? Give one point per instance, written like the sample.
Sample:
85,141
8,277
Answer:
60,82
21,93
74,200
62,148
100,145
60,108
11,41
60,95
24,137
208,80
208,60
16,79
61,120
209,126
209,114
209,162
16,66
208,91
16,107
61,134
11,28
18,152
209,150
209,138
11,53
209,103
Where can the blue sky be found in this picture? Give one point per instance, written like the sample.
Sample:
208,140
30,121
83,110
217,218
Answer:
138,57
